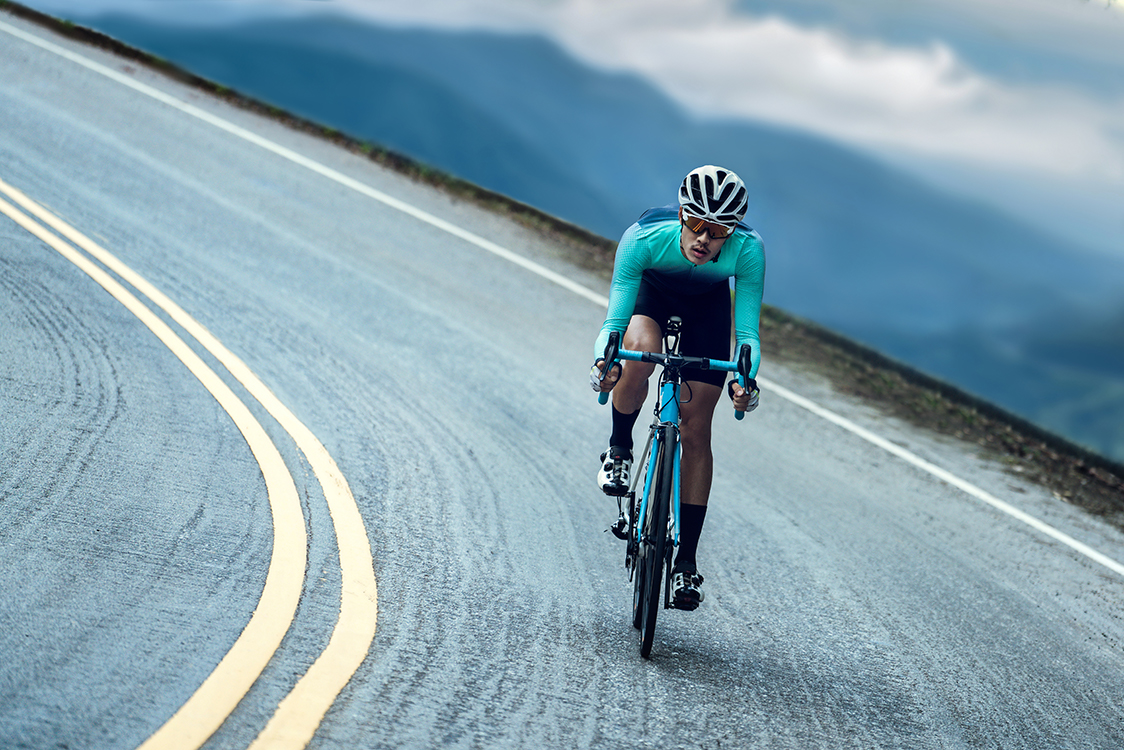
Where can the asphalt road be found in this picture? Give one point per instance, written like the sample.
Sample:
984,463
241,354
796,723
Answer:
853,600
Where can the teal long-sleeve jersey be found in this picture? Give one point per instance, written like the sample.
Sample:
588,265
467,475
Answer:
652,244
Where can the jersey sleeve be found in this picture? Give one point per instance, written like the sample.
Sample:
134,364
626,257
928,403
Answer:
628,268
749,286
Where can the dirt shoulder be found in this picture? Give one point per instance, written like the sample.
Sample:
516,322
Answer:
1073,474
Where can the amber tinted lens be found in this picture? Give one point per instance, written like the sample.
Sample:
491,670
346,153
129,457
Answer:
697,225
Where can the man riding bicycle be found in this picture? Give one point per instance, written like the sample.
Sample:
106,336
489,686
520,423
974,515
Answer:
680,262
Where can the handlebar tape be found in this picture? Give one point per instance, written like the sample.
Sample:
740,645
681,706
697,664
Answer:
745,363
610,358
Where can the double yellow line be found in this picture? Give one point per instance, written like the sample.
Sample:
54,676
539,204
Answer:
300,713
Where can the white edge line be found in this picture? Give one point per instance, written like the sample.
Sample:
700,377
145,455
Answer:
309,164
943,475
558,279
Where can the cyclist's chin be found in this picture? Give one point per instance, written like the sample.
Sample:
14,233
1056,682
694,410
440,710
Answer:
699,255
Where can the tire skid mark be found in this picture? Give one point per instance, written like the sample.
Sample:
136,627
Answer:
84,380
101,546
220,693
553,277
300,713
482,669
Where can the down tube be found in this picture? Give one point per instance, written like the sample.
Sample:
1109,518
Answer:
669,415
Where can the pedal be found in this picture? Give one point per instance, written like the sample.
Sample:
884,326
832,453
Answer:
619,529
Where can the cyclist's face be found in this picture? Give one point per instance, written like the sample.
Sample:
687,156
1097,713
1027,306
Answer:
699,247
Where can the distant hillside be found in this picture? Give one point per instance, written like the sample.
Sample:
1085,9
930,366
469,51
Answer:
952,287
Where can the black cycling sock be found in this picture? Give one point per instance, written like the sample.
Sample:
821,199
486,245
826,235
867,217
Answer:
622,429
691,523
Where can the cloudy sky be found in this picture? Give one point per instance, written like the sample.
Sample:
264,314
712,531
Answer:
1018,102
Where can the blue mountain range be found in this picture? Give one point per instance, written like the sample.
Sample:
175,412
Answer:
1029,321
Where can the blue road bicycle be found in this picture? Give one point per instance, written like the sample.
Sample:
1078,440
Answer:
650,526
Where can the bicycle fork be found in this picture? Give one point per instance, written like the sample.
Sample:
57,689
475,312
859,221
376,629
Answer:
663,440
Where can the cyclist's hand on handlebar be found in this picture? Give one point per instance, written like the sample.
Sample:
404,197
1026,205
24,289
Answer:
603,385
744,400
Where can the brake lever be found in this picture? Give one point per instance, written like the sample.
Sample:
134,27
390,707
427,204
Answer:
745,358
612,348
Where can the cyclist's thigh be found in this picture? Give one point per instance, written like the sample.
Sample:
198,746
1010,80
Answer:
655,304
643,335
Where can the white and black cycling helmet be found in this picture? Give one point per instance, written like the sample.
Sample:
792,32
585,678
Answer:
715,194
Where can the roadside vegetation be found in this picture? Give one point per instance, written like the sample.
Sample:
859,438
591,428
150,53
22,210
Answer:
1073,474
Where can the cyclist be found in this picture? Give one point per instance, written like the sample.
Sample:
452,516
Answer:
679,261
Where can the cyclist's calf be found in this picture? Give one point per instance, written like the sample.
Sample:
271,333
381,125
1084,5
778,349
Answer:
695,418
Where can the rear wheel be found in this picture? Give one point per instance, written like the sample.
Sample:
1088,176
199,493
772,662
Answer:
654,545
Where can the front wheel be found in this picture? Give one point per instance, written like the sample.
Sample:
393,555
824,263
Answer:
638,592
654,543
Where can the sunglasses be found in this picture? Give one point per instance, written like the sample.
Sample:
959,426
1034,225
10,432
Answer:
697,225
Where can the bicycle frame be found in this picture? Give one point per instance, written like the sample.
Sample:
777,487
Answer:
667,415
654,552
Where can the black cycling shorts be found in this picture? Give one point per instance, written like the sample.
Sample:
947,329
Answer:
706,323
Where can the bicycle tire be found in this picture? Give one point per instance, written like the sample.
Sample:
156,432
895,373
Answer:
655,529
639,576
638,593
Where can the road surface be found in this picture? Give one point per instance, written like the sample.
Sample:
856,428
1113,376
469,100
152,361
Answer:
853,599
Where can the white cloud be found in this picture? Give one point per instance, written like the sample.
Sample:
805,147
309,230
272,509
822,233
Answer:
920,102
920,105
717,62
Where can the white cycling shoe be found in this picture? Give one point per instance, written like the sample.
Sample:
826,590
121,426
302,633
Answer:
615,472
686,587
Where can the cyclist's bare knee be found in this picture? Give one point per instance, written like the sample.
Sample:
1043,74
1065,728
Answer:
697,413
643,335
694,436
